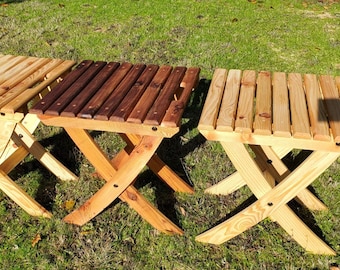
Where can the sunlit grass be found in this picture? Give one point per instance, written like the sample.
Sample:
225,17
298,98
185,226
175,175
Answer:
297,36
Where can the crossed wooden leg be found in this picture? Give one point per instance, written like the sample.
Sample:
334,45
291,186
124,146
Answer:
272,200
274,155
120,173
19,145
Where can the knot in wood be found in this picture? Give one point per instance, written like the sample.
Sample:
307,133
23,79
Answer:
265,115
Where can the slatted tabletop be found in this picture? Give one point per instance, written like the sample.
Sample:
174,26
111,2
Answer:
267,106
23,80
126,95
23,77
259,118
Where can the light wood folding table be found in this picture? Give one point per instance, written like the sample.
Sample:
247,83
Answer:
22,79
143,104
258,118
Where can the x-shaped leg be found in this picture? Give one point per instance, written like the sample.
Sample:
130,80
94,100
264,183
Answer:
272,200
120,173
235,181
19,145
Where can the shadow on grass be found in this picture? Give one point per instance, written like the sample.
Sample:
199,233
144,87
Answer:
12,1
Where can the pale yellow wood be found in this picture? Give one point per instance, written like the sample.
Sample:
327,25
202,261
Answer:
298,143
266,175
14,159
17,73
103,125
6,130
331,99
30,122
23,137
22,94
235,181
281,113
227,186
280,171
316,109
263,109
212,104
300,232
244,117
20,72
298,107
281,151
227,113
337,81
271,200
117,182
269,161
21,198
7,62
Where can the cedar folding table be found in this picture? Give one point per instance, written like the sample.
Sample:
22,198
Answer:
143,104
22,79
258,119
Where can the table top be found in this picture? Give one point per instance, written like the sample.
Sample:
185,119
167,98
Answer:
120,97
299,110
23,77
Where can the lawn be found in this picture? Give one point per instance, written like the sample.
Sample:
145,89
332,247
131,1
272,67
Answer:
291,36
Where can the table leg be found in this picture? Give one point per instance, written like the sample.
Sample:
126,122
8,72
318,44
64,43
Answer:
272,162
137,201
119,174
22,137
20,197
162,170
235,181
19,144
271,202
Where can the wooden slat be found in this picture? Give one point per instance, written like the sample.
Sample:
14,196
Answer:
174,114
331,99
61,102
263,113
298,107
16,103
316,109
7,62
130,100
104,92
57,91
244,118
32,79
90,89
149,96
161,104
227,114
20,72
119,93
337,81
212,103
281,114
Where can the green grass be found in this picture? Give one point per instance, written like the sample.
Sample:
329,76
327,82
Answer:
294,36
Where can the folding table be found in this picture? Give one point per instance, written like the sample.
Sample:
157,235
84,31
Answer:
258,118
143,104
21,80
